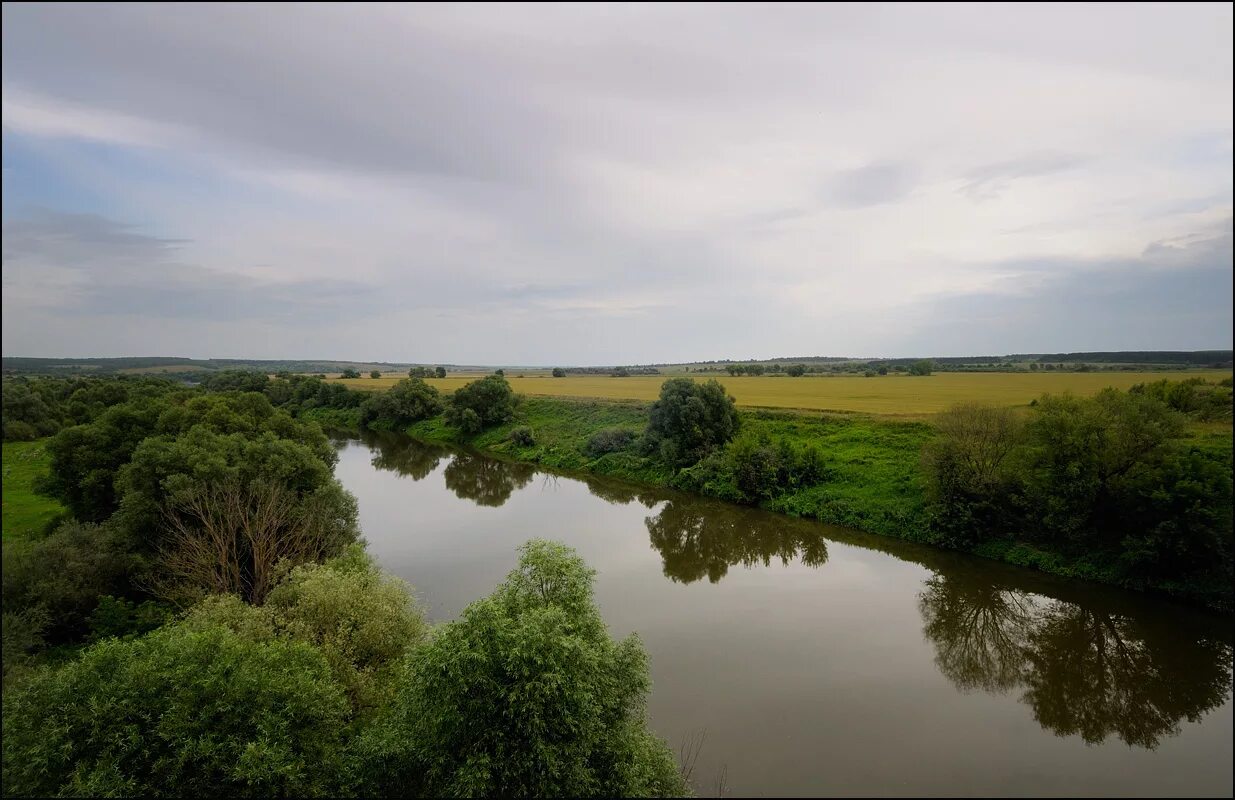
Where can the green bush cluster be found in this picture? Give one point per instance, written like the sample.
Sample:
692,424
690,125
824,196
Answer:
1111,478
481,404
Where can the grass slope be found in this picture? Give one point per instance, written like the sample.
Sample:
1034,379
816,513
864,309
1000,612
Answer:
25,514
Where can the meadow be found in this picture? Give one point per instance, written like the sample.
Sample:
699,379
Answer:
893,395
25,513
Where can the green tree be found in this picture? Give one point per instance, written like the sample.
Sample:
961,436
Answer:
558,372
796,370
178,712
690,420
350,373
524,695
410,400
439,372
375,374
481,404
922,367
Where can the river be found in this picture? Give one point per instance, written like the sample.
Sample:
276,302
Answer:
794,658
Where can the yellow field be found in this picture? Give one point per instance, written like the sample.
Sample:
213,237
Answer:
898,395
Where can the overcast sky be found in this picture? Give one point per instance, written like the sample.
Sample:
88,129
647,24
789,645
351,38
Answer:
598,185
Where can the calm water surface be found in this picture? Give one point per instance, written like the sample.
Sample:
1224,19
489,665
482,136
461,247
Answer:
811,660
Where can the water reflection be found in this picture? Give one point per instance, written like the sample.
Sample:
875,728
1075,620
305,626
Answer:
1086,661
486,481
697,538
396,453
1083,670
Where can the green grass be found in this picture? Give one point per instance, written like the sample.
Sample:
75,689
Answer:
25,513
874,482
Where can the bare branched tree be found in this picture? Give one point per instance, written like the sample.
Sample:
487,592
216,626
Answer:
228,538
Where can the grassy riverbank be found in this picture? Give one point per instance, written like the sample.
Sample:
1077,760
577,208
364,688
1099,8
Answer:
873,481
25,513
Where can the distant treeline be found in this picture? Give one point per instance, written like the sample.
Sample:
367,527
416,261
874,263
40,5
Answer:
188,366
1220,358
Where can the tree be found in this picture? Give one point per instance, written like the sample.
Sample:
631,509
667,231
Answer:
690,420
350,373
921,367
439,372
481,404
883,369
236,380
796,370
178,712
360,618
228,537
548,705
420,372
410,400
558,372
375,374
967,469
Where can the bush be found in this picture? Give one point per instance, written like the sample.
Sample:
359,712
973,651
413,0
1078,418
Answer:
690,420
65,574
178,712
922,367
610,440
522,437
18,431
558,372
481,404
525,694
350,373
375,374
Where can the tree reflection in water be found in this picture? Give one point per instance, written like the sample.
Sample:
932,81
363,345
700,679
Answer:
1083,670
397,453
697,538
486,481
1092,669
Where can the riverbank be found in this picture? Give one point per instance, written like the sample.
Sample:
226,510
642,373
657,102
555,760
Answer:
872,478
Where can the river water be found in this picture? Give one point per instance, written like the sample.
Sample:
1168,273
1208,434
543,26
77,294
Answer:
794,658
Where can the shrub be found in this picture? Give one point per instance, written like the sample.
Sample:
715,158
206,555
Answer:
481,404
375,374
610,440
178,712
522,437
558,372
922,367
525,694
350,373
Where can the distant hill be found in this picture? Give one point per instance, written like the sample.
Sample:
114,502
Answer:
190,368
184,366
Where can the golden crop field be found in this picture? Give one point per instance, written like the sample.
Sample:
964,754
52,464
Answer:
895,395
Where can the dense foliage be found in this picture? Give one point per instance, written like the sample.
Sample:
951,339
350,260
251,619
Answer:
481,404
1111,479
408,401
690,420
525,695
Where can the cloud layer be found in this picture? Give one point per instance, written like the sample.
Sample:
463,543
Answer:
614,184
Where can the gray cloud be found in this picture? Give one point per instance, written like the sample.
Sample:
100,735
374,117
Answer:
1176,296
592,183
871,185
990,180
